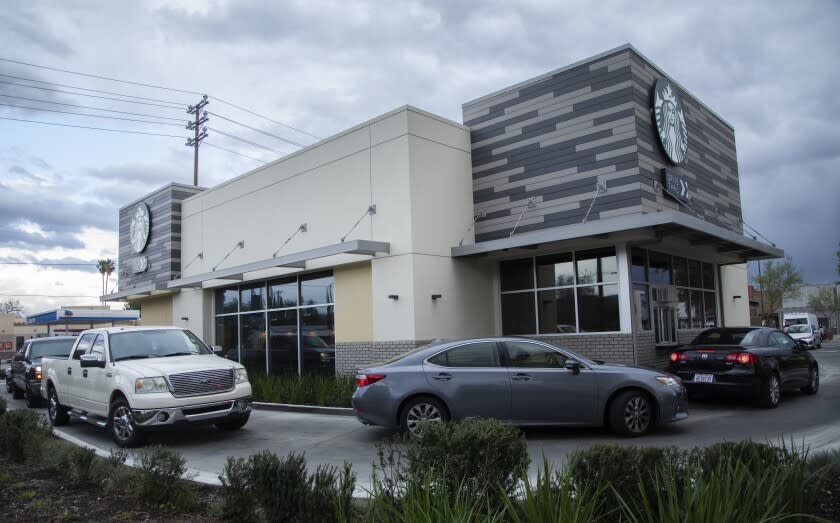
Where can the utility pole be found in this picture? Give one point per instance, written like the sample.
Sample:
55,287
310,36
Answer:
200,132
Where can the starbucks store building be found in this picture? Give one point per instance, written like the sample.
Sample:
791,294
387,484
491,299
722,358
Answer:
597,207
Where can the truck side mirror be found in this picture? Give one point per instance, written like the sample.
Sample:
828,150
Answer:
217,349
91,360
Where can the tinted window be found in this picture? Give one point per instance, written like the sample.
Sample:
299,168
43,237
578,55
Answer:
660,268
557,311
596,266
518,315
59,348
316,289
282,293
517,275
252,298
638,260
531,355
154,344
598,308
84,345
777,339
98,348
555,270
481,354
227,300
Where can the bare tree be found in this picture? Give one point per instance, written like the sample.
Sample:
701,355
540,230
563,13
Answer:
825,302
12,306
777,282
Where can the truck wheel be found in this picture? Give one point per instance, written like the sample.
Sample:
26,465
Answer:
9,386
32,400
16,392
58,414
632,413
121,424
234,425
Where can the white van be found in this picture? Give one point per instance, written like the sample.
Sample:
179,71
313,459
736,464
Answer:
804,326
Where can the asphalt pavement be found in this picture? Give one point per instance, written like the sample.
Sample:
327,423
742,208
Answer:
812,421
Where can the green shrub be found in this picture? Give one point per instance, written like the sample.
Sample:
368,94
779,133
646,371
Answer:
23,432
284,490
82,461
481,458
328,391
159,479
554,497
115,477
627,472
3,405
757,457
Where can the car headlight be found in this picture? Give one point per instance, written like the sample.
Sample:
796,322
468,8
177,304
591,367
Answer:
146,385
669,380
240,375
808,339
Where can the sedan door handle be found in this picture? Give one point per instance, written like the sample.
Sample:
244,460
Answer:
443,376
521,377
84,373
69,371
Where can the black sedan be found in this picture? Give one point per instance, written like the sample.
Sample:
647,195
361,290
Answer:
757,361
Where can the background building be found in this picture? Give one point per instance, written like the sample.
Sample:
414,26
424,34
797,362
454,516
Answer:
597,206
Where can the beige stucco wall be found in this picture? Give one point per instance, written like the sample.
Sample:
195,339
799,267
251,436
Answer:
353,303
733,283
156,310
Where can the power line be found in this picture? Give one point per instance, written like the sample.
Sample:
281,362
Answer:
266,118
92,128
89,95
89,107
47,296
249,142
49,264
233,152
89,115
99,77
255,129
88,89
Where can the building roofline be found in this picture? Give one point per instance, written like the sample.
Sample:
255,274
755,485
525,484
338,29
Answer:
161,188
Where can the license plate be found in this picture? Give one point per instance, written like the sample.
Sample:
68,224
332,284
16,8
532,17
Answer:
704,378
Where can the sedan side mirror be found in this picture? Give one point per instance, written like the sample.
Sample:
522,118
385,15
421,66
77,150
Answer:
574,366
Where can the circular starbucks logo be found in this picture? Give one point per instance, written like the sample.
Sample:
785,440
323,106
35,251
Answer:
670,121
139,230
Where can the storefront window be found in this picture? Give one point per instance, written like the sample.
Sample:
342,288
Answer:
557,311
694,274
697,309
710,316
638,264
683,309
517,275
641,307
708,276
659,270
518,315
575,292
680,272
288,341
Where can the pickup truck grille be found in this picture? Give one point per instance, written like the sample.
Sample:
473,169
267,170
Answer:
201,382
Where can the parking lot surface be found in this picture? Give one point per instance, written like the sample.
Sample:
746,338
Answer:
329,439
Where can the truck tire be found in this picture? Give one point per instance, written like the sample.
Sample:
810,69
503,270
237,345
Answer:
32,400
235,424
57,413
121,425
16,392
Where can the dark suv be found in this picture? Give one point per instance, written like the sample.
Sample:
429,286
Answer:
26,365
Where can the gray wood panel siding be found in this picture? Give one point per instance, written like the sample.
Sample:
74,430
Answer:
552,139
164,247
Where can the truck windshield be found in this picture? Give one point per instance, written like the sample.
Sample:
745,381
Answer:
155,344
58,348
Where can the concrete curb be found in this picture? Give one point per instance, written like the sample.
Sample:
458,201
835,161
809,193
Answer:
309,409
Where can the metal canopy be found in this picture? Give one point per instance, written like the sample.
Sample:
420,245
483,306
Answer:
295,260
728,243
138,291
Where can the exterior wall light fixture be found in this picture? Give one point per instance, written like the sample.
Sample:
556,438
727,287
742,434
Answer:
393,296
436,296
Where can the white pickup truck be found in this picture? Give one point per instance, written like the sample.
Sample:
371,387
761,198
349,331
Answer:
136,379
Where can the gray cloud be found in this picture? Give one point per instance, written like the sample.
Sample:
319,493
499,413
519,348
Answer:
69,263
23,240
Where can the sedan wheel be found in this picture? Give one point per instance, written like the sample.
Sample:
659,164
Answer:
631,414
813,382
420,411
771,392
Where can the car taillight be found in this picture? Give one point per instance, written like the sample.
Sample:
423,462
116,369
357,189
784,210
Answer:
742,358
679,356
363,380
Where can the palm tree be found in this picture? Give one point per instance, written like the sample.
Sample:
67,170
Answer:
105,268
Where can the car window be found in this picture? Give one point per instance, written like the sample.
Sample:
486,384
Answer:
55,348
799,328
522,354
726,337
480,354
98,347
777,339
84,345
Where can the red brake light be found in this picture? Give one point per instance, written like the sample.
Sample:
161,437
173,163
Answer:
679,356
742,358
675,356
363,380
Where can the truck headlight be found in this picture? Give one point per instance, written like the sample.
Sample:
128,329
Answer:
37,371
240,375
146,385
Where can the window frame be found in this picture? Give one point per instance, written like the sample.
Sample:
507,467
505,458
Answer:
497,353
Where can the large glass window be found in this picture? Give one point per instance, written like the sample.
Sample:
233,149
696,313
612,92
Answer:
659,268
280,326
574,292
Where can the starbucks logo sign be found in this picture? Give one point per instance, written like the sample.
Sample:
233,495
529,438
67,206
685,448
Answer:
670,121
139,229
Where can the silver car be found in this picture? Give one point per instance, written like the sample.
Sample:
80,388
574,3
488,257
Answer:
518,381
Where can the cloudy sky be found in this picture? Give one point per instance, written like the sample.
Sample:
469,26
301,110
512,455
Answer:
769,68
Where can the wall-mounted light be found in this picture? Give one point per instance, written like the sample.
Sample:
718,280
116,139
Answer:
436,296
393,296
736,297
184,318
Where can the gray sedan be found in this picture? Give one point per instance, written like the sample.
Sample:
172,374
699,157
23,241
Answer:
518,381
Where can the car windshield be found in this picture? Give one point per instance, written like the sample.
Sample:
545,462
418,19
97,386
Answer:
793,329
155,344
728,337
58,348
